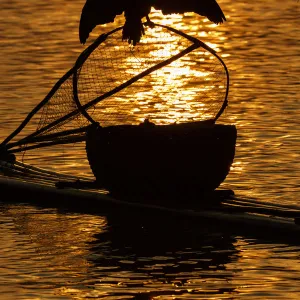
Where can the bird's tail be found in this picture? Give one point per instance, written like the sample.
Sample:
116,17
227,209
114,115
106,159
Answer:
133,30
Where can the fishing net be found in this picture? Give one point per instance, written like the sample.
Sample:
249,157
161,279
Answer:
168,77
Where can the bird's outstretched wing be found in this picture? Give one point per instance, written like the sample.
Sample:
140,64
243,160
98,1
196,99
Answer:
96,12
207,8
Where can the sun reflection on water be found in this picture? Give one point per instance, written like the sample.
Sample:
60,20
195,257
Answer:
189,88
56,256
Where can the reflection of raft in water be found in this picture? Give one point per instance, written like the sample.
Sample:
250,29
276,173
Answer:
162,160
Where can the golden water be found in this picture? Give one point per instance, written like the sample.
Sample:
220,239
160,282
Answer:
51,254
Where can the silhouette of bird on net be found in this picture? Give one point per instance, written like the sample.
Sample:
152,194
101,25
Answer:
97,12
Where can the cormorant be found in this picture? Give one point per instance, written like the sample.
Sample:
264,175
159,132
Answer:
96,12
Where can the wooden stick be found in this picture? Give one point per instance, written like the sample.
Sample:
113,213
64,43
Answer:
260,203
262,210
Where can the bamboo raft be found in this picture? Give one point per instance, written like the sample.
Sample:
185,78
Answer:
22,183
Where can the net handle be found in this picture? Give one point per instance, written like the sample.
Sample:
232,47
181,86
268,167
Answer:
82,108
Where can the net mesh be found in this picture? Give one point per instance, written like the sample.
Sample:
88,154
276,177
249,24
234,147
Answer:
191,88
117,83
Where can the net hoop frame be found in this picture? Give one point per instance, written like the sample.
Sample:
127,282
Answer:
196,43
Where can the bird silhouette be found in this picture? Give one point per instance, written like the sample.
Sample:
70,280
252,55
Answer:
97,12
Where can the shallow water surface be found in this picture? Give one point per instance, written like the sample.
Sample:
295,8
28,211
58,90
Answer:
61,255
47,253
